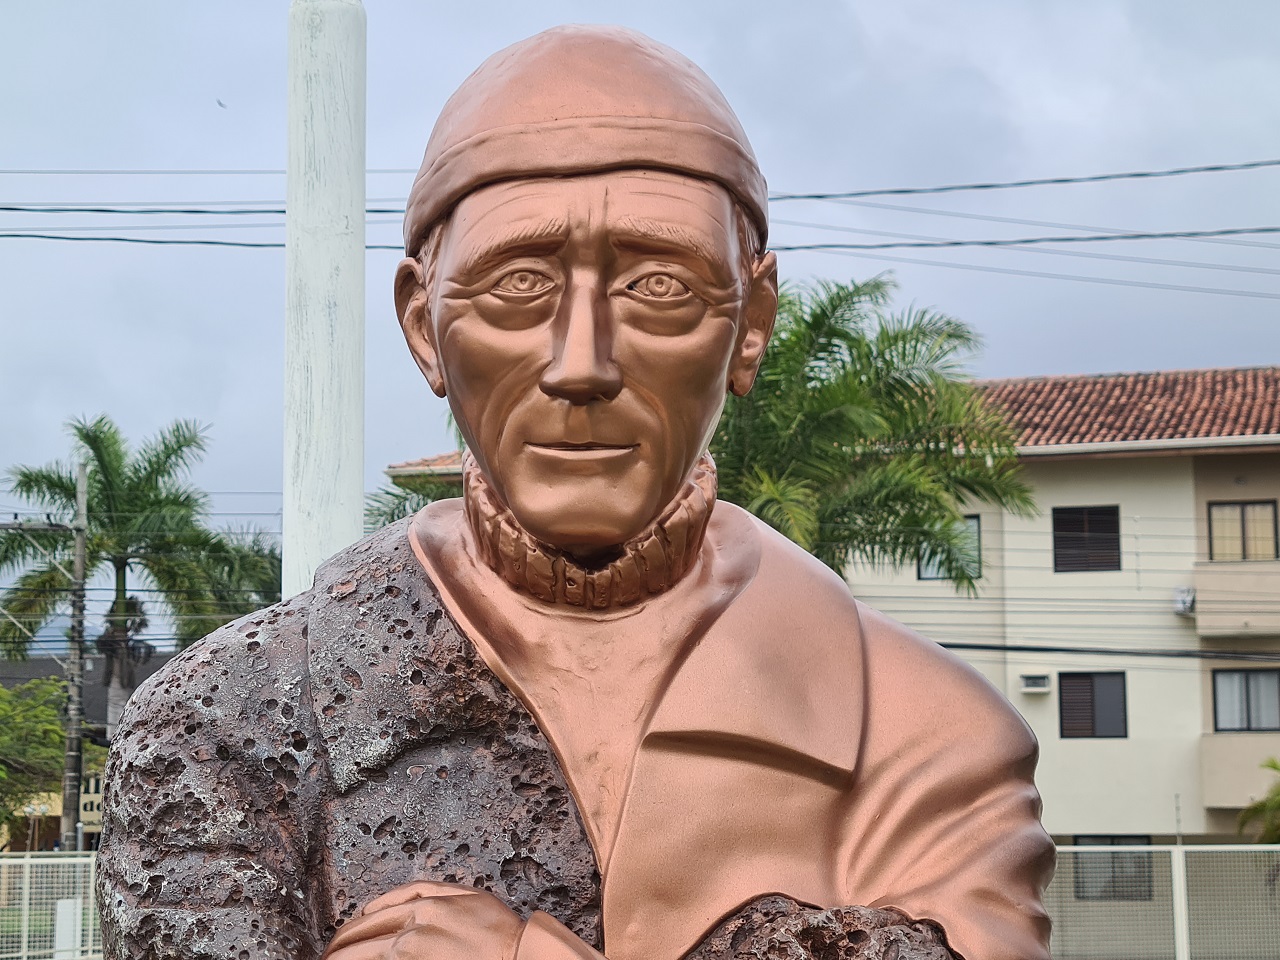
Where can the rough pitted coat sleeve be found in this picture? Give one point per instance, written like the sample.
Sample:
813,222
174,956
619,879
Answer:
211,784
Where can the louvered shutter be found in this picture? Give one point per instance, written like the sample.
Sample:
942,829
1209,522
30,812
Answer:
1075,704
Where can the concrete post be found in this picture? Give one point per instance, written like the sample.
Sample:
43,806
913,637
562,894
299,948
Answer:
324,303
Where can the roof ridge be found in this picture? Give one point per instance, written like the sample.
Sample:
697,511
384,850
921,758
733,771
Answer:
1121,374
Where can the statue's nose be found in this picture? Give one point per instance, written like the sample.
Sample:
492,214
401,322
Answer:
582,369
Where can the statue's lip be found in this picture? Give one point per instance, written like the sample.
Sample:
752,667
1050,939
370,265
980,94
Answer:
588,448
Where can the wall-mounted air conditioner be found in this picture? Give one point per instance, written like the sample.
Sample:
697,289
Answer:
1036,683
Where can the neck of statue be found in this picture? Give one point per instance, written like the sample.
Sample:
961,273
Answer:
644,566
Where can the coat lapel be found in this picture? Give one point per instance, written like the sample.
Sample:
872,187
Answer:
740,785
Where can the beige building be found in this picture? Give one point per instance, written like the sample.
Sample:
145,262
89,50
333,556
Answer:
1135,622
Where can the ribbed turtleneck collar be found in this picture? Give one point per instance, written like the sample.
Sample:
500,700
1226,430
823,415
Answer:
645,565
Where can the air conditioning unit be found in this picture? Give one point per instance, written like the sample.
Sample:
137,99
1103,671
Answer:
1036,683
1184,601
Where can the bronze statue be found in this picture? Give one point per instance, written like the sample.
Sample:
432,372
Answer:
585,709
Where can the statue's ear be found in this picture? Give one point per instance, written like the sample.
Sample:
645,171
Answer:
414,311
759,312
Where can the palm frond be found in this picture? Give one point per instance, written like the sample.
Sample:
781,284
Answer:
1265,810
873,415
390,504
51,488
788,505
169,455
32,601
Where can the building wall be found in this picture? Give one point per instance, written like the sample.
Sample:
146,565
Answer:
1147,783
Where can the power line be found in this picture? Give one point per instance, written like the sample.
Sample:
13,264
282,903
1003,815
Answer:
1120,257
888,191
209,208
1045,182
1011,271
991,218
1024,241
177,172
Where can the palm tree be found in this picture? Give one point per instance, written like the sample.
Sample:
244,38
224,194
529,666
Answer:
389,504
1265,810
146,525
863,439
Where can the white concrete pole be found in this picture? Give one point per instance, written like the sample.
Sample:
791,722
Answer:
324,303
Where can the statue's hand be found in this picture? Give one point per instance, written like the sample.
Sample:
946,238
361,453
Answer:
428,921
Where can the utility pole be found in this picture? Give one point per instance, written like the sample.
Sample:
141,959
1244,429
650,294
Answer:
73,767
73,669
324,286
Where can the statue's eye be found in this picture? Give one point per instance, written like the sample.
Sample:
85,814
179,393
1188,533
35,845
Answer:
523,283
658,286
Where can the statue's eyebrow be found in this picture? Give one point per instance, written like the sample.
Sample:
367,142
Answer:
528,238
656,236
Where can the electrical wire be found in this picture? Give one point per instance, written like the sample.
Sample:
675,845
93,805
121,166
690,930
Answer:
1044,182
174,172
1022,221
1079,278
1119,257
1025,241
890,191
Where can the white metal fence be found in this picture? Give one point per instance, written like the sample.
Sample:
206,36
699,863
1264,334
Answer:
1211,902
46,907
1219,902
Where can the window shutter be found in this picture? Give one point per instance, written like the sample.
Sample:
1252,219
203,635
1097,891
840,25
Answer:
1075,704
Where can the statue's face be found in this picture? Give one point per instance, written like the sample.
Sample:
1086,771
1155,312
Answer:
586,331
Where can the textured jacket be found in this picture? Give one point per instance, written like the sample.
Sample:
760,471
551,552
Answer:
303,760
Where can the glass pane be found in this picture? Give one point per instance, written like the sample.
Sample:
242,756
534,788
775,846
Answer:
1260,531
1131,876
1108,705
1228,700
973,532
1225,541
1264,700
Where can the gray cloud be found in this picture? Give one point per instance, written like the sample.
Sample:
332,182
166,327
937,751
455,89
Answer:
834,95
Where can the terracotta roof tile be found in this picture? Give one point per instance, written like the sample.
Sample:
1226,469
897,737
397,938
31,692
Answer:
1168,405
439,463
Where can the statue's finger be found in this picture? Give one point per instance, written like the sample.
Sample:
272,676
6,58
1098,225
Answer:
383,923
378,949
419,890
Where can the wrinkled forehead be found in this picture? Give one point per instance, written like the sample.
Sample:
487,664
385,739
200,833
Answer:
624,206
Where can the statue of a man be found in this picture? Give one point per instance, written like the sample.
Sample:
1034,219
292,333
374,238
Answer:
585,709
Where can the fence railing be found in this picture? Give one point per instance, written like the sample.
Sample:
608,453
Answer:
1199,902
46,907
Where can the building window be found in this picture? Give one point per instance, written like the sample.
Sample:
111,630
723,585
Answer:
1092,705
1246,700
1122,875
1242,530
931,570
1086,538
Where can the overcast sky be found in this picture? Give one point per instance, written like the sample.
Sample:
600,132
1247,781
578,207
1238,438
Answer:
835,96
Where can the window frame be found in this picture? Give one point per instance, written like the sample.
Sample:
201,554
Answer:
1093,704
1145,890
1241,504
1241,670
977,530
1059,549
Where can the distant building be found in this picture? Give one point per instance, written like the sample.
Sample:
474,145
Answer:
41,831
441,468
1135,622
